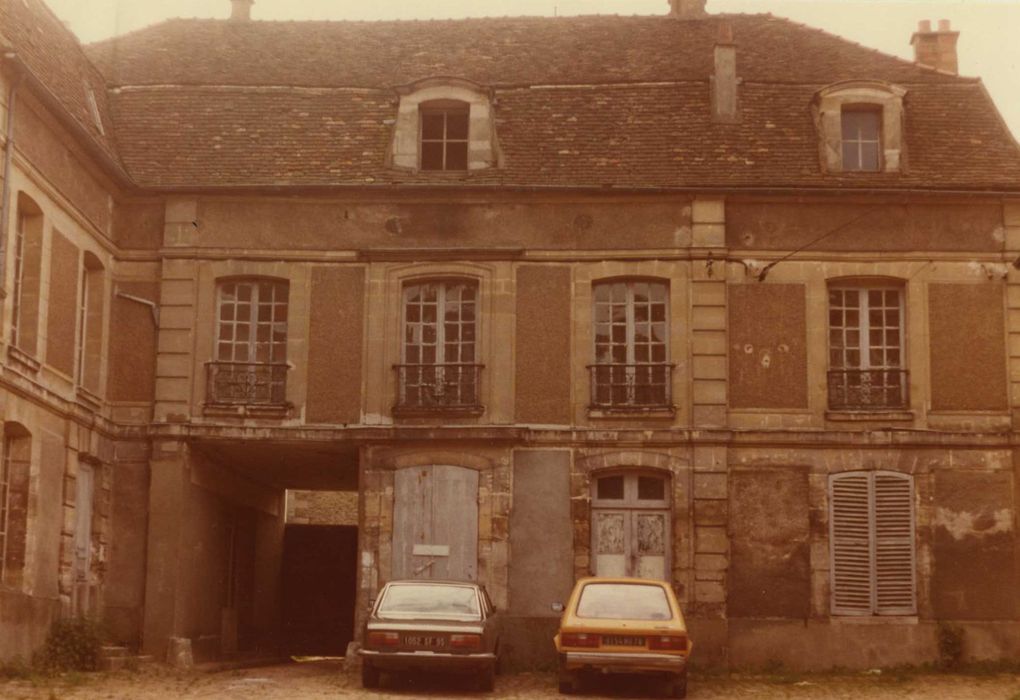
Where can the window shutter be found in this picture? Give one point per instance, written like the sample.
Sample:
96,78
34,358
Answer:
894,544
850,531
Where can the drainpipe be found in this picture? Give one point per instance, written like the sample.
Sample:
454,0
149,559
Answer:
5,195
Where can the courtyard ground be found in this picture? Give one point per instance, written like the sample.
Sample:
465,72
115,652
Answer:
326,679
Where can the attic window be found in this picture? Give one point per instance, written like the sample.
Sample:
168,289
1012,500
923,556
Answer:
862,140
444,135
90,99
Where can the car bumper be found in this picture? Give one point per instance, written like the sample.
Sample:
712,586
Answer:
425,660
624,662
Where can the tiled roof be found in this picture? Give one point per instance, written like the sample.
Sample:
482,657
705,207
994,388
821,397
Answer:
581,101
52,53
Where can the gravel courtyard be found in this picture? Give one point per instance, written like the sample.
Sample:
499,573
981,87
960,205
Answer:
326,679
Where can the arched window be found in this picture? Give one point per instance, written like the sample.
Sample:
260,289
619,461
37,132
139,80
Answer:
27,247
250,365
867,369
444,135
871,529
439,349
860,125
631,367
15,468
630,524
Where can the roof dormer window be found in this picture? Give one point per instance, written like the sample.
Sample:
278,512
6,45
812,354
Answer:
444,125
862,138
444,135
860,127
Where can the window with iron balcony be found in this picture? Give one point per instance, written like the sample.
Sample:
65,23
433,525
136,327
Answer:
866,347
631,369
250,369
439,371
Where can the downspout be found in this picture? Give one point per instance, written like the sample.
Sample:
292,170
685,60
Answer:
5,195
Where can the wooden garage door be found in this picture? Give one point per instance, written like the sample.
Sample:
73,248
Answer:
435,523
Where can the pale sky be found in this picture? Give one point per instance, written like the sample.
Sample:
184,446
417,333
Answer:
989,44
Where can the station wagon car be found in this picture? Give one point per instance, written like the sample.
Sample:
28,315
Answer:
623,625
416,625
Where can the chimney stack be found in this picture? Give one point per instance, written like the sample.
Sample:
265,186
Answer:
687,9
724,80
240,10
935,48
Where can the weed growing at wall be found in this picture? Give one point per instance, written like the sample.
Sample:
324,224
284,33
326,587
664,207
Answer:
73,644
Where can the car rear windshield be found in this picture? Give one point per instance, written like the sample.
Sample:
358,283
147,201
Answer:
624,601
430,601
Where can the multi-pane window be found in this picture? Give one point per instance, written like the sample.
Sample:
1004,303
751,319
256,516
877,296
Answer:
6,469
862,139
19,272
83,329
631,368
251,343
444,136
866,348
871,525
438,353
630,521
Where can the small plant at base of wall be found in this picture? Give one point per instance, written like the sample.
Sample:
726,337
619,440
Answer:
73,644
950,645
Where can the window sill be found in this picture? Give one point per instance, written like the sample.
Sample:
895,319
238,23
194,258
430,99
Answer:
634,412
225,410
23,359
428,411
874,619
870,416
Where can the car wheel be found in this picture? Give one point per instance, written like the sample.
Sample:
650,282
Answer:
487,679
369,676
678,685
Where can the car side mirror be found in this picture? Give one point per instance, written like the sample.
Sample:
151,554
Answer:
557,607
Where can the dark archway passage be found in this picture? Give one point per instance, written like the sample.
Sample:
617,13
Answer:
319,580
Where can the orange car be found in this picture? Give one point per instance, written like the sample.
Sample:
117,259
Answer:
623,625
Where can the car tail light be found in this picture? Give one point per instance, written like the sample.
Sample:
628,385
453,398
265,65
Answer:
668,642
465,641
579,639
383,639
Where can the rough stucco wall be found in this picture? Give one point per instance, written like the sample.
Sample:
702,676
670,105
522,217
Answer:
543,344
125,579
770,561
790,225
63,305
968,347
569,224
40,141
974,546
139,225
768,346
132,344
334,345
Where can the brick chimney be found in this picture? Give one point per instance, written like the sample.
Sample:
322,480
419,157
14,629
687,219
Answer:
240,10
687,9
724,80
935,48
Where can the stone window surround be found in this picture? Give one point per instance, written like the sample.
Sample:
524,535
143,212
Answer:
828,110
397,278
406,143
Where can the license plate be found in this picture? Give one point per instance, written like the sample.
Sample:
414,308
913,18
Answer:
617,640
424,641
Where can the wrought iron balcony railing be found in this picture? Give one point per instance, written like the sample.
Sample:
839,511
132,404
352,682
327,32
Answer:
869,389
246,383
640,385
438,387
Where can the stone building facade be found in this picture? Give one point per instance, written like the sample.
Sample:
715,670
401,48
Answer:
653,296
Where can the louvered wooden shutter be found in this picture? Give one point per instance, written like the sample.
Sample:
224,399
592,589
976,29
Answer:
850,531
872,540
894,543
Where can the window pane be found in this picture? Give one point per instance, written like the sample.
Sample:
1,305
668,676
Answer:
651,488
610,487
457,124
432,125
456,155
432,156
